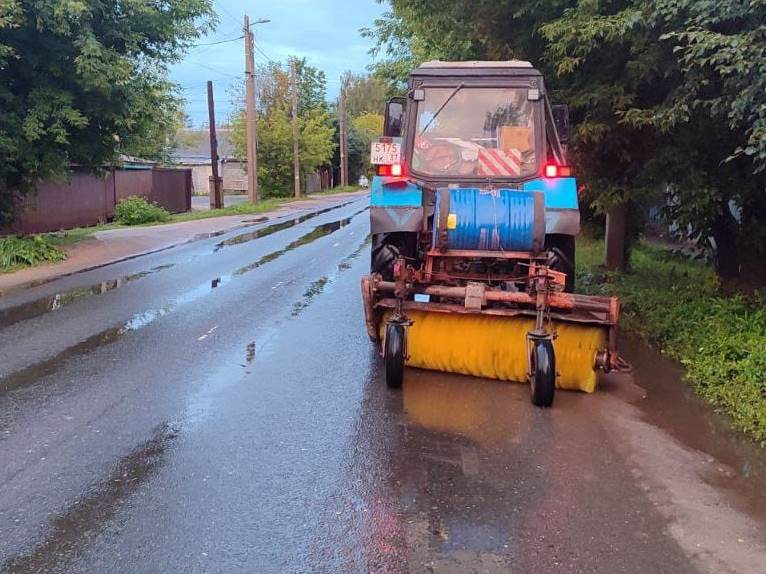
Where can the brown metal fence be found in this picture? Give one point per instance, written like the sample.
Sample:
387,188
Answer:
89,199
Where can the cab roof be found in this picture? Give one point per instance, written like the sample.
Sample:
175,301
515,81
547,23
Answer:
477,64
440,68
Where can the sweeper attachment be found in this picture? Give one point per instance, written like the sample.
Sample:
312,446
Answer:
473,217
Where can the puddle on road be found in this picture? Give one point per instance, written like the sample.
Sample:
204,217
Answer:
37,371
80,522
318,287
673,406
347,261
249,354
317,233
314,290
257,220
12,315
29,375
274,228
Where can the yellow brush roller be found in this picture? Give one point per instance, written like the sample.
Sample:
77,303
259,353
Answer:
495,347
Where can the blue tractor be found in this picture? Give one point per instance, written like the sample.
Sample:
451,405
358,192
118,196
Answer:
474,214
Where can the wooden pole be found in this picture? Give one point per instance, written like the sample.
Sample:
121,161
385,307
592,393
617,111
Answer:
296,146
343,141
250,115
216,197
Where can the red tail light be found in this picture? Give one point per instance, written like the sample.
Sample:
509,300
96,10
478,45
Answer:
395,170
551,170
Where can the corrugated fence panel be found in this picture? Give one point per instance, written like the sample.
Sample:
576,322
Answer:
133,182
171,188
89,199
85,200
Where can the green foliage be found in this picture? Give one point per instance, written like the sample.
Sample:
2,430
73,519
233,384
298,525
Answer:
370,124
678,103
275,136
364,94
82,80
362,131
27,251
678,305
136,210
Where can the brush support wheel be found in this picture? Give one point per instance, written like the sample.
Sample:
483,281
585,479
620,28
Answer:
542,379
394,354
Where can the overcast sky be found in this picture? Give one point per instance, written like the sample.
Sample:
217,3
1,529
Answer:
326,32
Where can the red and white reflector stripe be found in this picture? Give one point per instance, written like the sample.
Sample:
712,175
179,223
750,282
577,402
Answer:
498,162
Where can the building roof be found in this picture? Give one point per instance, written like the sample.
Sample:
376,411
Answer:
193,146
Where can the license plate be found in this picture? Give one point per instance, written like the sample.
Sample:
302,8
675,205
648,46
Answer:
386,153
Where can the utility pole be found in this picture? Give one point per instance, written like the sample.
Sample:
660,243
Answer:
296,147
343,142
214,187
250,111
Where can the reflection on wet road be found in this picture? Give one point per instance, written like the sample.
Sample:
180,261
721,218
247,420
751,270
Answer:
228,414
32,309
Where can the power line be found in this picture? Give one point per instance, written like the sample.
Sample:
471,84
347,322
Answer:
216,70
191,87
265,55
219,42
229,14
224,41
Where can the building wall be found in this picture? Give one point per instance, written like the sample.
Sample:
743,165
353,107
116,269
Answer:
201,175
234,177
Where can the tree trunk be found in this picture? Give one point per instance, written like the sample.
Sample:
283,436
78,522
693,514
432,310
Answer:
615,238
727,254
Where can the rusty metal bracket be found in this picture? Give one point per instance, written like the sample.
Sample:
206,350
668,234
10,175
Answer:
474,296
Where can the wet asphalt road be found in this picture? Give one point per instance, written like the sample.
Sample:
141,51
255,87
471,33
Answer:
217,407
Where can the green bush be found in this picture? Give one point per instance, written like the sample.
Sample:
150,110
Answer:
679,305
136,210
27,251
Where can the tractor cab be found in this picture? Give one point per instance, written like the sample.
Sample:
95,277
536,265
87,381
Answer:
484,126
478,123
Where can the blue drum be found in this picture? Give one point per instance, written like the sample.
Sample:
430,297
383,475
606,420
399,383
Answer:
497,220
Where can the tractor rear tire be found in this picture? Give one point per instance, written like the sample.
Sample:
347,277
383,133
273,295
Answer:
563,249
387,247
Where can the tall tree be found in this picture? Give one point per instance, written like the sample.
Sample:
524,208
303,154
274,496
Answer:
365,128
275,151
78,77
684,82
364,93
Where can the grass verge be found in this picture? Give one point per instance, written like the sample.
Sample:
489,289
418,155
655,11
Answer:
339,189
679,306
20,252
239,209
